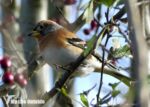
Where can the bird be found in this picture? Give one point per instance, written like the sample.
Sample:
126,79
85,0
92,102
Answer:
55,43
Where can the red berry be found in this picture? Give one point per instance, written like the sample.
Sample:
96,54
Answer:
23,82
8,78
86,31
5,62
19,77
69,2
113,61
93,24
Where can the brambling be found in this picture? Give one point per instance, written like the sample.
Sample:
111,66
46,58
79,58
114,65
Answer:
55,44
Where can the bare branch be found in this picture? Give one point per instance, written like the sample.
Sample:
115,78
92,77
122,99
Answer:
140,93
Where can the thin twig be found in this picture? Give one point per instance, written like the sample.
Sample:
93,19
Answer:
89,90
80,20
4,89
13,45
102,70
4,101
61,13
125,36
113,19
107,15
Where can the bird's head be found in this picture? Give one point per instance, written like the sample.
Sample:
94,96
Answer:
43,28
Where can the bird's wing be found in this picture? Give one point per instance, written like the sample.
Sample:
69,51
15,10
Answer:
77,42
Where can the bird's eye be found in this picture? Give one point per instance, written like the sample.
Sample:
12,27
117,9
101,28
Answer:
40,27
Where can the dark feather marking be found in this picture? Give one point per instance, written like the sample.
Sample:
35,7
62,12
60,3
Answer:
77,42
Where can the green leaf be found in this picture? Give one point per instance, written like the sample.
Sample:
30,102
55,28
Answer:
108,3
90,45
115,93
63,91
88,13
84,100
122,51
114,85
94,42
118,2
100,38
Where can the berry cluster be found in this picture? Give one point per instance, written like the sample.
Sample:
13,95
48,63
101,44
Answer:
93,25
8,77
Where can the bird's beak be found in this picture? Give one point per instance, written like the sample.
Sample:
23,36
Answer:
34,34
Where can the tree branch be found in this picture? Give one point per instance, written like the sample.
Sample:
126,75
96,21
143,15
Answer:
140,93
